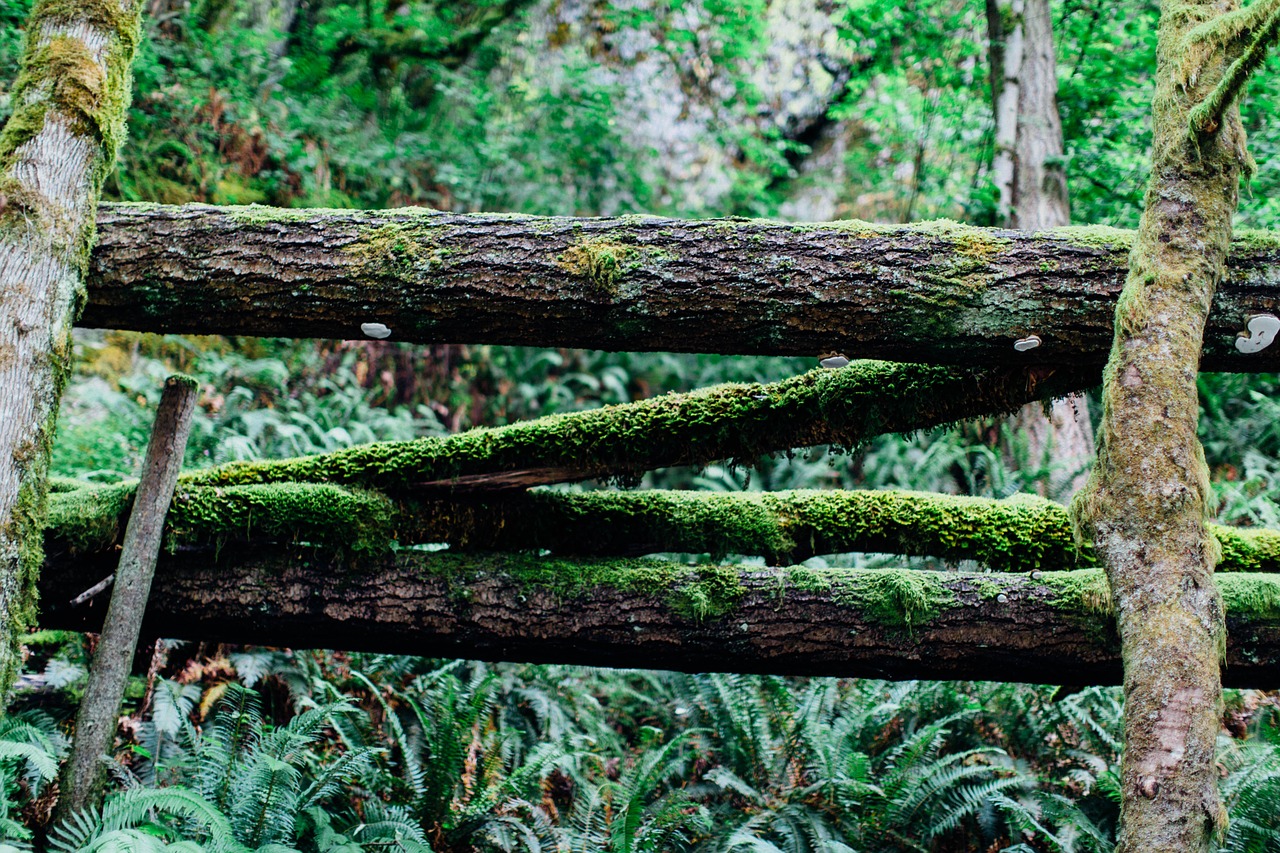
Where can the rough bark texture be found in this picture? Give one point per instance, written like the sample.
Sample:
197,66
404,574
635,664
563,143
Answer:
1146,503
878,624
1039,183
936,293
84,773
57,146
845,407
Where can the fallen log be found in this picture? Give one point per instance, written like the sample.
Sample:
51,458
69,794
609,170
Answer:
1020,534
738,422
1056,627
932,293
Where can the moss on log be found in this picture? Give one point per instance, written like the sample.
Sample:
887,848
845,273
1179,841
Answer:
1020,534
934,292
884,624
740,422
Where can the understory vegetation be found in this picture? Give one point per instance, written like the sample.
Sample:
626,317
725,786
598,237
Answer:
551,108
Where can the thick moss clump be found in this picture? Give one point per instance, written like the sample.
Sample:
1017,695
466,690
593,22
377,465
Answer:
93,519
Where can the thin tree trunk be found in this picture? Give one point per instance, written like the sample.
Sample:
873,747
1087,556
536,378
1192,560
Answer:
1033,196
1146,504
68,120
937,292
643,613
84,773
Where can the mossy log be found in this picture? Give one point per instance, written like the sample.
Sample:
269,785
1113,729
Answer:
1020,534
932,293
1056,628
846,407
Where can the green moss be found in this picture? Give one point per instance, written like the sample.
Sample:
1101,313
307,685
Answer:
1251,597
894,598
1092,237
1083,592
93,519
604,261
90,519
357,520
695,593
397,249
736,422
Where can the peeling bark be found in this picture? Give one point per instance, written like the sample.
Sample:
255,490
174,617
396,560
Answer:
935,293
69,102
1146,504
874,624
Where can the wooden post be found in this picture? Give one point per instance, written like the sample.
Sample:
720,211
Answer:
84,774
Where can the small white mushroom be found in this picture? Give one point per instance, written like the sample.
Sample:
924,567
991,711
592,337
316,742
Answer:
1262,329
833,361
1002,598
1028,343
375,330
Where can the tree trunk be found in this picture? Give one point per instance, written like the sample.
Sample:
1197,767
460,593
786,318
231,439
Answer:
738,422
1146,504
901,624
68,120
938,293
1033,196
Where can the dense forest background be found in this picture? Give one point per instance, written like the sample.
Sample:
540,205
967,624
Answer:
793,109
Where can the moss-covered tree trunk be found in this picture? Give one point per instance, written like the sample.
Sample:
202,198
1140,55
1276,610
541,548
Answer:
1145,506
68,119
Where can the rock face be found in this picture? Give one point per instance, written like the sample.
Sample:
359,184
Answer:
713,104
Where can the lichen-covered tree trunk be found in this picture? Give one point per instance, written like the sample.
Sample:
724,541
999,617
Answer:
69,102
932,292
1145,506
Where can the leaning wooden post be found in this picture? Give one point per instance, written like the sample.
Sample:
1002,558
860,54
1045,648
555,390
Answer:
96,720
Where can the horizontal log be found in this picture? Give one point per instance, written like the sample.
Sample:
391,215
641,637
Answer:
933,293
1020,534
1054,628
738,422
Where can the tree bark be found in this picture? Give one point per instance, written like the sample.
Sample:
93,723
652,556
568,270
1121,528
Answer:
84,774
69,102
937,293
1146,504
636,613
